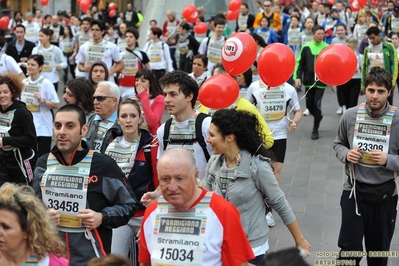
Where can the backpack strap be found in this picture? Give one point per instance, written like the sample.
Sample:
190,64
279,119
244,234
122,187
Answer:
166,133
198,134
207,44
147,154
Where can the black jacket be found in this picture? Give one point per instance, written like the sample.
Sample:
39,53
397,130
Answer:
110,194
22,133
26,51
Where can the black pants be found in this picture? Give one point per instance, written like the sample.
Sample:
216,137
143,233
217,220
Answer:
350,92
185,64
340,96
376,224
11,172
158,74
56,86
72,71
313,103
172,51
43,145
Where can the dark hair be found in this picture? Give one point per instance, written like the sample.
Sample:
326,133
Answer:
373,30
185,26
133,31
203,58
70,32
392,33
259,40
156,31
286,257
220,67
340,25
316,28
46,16
119,29
132,102
219,21
245,127
38,58
155,89
20,26
380,76
246,5
73,108
16,13
99,23
186,84
86,19
248,77
14,84
309,18
153,20
83,91
47,32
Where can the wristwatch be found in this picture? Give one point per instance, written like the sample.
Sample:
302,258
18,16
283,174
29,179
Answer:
43,102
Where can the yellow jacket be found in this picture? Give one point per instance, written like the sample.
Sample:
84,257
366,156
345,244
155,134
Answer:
243,104
276,24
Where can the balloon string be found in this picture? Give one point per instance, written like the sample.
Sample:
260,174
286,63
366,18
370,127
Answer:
297,103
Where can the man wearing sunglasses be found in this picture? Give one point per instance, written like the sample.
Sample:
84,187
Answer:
105,99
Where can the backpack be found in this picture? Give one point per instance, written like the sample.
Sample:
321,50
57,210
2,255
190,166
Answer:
198,134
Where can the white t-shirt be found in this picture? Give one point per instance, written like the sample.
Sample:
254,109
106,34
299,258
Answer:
213,51
31,31
199,153
43,119
8,64
278,127
52,56
159,55
111,55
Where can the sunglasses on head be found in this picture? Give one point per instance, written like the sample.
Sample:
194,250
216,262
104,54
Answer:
101,98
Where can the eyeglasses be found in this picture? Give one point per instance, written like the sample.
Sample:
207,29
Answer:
101,98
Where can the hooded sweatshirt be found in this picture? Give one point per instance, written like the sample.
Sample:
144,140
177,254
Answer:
22,133
101,63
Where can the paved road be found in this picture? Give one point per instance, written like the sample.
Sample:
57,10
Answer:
312,181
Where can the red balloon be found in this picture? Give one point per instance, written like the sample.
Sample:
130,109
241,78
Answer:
355,6
374,2
112,13
219,91
85,5
276,63
4,21
112,6
238,53
78,1
332,2
190,12
362,3
235,5
233,15
44,2
200,28
336,64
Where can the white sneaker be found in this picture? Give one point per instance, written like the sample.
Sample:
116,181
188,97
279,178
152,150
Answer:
306,112
343,109
270,219
339,111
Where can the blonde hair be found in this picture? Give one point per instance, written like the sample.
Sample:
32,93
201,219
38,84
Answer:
43,236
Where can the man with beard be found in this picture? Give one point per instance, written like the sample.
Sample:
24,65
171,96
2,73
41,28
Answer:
370,154
86,192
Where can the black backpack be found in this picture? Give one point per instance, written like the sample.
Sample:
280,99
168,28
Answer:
198,134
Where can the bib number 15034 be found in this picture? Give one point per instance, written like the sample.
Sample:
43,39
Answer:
177,254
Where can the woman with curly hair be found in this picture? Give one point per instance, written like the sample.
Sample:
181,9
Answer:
240,170
17,134
27,234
